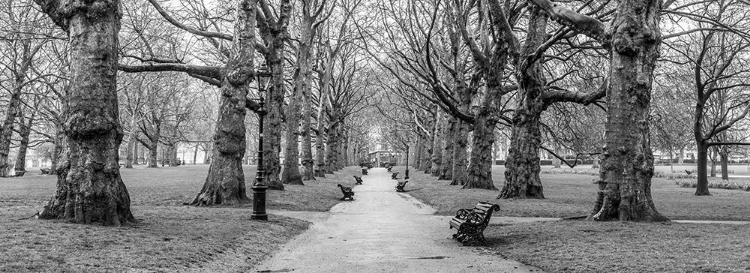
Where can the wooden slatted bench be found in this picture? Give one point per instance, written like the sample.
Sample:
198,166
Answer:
394,175
388,168
358,180
45,170
348,193
470,223
400,186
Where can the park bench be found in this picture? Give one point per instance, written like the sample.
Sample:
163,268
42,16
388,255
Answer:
45,170
388,168
347,191
470,223
364,170
400,186
358,180
394,175
19,173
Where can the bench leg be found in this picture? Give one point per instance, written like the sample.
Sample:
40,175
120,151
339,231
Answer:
471,236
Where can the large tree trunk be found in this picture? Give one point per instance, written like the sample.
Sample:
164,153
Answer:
303,61
446,162
59,148
344,145
437,148
480,164
171,155
522,163
225,183
426,154
153,161
23,132
701,165
272,144
320,135
290,174
333,145
459,153
89,187
628,163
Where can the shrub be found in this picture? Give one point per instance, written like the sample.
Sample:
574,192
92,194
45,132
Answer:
714,183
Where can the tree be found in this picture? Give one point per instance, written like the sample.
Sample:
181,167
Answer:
225,183
89,187
627,165
717,53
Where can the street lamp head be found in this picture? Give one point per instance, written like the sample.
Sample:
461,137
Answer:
263,75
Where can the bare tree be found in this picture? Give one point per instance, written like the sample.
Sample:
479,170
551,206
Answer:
719,71
89,187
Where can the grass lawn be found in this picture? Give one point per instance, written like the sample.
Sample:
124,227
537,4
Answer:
584,246
168,237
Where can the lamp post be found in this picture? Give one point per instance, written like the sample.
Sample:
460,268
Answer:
263,75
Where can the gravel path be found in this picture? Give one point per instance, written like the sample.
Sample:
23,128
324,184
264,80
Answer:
381,231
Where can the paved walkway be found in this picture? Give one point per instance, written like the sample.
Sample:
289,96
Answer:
381,231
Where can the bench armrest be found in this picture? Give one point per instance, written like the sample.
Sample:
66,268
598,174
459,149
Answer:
463,214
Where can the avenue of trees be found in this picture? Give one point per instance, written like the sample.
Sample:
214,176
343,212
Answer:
93,85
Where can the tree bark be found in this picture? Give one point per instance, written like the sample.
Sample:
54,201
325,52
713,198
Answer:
153,161
225,183
272,144
628,163
437,151
290,174
303,82
461,139
522,163
59,148
446,162
130,149
195,154
701,165
276,36
137,154
23,132
480,164
344,145
89,186
320,135
171,155
332,144
724,156
426,153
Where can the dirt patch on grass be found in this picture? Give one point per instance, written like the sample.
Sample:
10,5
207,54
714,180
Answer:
582,246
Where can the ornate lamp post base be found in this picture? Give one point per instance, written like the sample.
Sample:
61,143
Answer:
259,202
